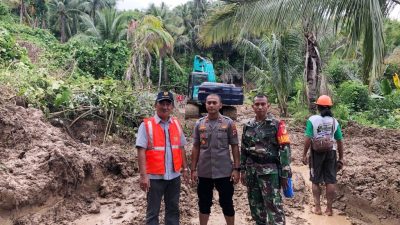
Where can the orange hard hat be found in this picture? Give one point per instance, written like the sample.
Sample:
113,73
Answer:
324,100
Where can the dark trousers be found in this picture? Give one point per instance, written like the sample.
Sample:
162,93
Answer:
323,167
170,189
225,190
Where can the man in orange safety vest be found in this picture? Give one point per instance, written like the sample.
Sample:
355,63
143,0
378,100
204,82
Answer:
161,155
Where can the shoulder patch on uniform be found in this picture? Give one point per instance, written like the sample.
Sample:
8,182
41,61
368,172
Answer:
234,129
283,136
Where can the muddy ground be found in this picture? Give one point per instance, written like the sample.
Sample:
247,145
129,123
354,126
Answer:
48,177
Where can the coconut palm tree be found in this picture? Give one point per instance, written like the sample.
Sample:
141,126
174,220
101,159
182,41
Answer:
38,11
173,24
147,37
111,25
92,6
21,6
23,12
361,20
279,62
62,12
184,41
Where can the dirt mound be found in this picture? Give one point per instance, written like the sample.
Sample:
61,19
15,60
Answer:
42,166
370,185
37,159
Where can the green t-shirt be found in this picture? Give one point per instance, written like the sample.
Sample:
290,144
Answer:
310,131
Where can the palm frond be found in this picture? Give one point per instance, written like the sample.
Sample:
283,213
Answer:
220,27
90,27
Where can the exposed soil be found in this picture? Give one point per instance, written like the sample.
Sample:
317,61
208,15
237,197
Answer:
47,177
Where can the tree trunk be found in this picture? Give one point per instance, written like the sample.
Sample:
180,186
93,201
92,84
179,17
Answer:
36,23
312,71
165,72
43,23
244,64
93,13
148,67
159,73
21,12
62,28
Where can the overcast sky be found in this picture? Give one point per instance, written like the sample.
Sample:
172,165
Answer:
143,4
395,14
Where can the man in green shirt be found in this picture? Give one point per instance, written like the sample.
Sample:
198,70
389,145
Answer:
323,164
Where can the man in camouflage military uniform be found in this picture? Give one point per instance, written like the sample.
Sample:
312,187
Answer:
265,164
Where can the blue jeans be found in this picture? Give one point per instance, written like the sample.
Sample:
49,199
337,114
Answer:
170,189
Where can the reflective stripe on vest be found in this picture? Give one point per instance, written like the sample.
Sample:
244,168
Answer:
155,153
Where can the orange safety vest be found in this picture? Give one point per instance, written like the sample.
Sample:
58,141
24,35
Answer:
156,146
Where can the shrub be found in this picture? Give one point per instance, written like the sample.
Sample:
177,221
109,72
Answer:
390,102
3,10
384,112
354,95
38,36
9,49
339,70
385,87
105,60
342,113
298,112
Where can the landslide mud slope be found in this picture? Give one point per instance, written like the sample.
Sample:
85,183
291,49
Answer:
46,177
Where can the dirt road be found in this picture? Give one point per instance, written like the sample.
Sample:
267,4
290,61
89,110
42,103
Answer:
46,177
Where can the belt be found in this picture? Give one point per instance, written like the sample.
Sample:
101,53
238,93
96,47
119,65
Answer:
263,160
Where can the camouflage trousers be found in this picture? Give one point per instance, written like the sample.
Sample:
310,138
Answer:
265,199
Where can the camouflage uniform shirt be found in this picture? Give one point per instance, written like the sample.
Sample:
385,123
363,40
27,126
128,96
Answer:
265,156
265,144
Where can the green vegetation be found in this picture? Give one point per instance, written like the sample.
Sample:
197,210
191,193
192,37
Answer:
10,50
354,95
84,59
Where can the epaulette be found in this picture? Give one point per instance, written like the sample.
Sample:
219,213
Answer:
275,122
225,117
250,122
200,120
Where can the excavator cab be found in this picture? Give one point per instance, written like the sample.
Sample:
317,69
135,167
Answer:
202,82
195,80
203,71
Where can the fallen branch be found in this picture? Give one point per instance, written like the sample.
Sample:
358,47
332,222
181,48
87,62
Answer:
81,116
81,108
108,127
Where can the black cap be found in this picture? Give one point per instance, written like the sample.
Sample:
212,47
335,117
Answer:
165,95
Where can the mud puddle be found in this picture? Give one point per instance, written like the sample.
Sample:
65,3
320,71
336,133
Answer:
307,214
109,213
7,218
